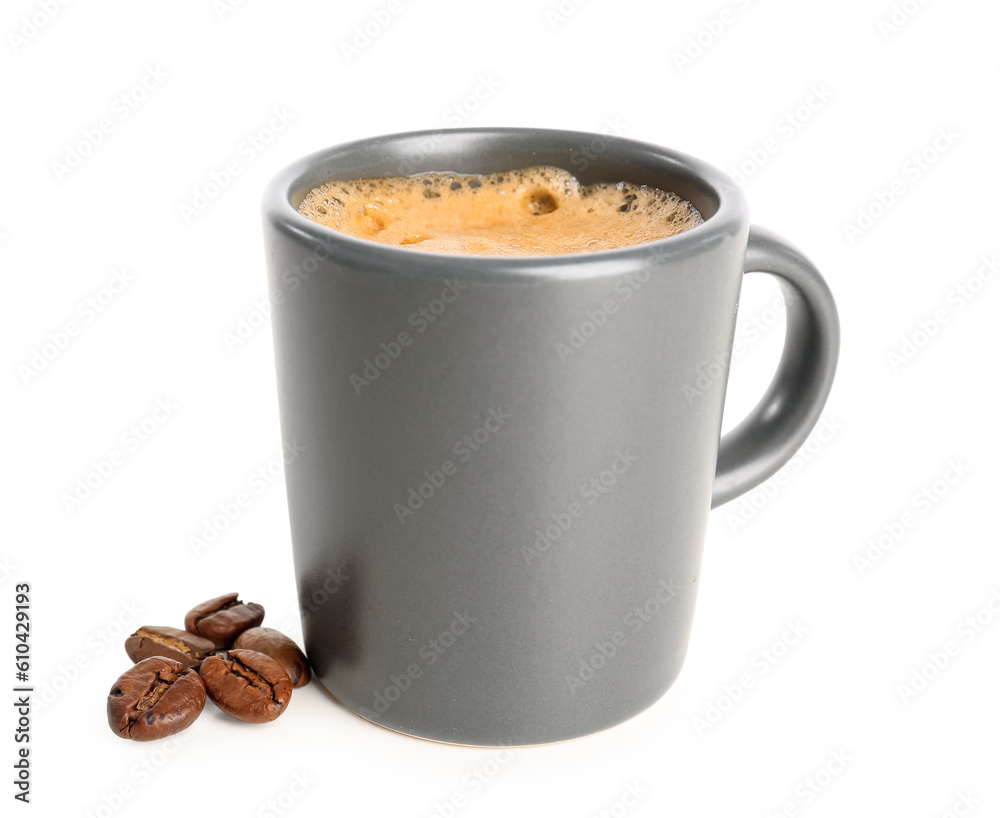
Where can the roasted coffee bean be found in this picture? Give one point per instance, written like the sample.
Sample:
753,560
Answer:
247,685
187,648
279,647
155,699
223,619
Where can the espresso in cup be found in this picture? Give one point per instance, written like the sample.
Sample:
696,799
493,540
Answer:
535,211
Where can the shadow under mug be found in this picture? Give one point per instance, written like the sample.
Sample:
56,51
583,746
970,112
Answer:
503,467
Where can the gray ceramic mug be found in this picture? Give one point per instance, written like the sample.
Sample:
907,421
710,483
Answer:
505,464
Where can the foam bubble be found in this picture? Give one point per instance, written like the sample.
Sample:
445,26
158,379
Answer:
540,210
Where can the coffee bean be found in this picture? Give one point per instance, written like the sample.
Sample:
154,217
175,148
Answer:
155,699
187,648
223,619
247,685
279,647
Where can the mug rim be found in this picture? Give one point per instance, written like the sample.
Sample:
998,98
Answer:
729,219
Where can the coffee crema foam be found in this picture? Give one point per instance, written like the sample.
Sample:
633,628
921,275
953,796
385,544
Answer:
540,210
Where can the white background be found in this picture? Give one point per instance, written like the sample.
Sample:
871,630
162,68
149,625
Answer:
879,98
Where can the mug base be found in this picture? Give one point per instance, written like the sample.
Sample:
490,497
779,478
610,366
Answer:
489,746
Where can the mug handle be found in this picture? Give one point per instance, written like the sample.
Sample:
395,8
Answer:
768,437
